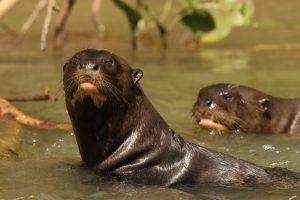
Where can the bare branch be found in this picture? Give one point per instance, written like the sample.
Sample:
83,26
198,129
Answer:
61,22
164,14
8,111
6,6
52,6
40,97
40,5
166,10
95,15
8,30
175,21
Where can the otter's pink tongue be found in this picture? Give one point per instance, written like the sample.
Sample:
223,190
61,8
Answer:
87,86
210,124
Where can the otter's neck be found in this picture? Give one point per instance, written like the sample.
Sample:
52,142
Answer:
285,116
101,133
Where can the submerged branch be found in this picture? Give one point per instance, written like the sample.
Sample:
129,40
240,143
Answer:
11,138
8,111
10,141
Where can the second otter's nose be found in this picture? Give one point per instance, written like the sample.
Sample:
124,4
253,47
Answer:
88,66
210,104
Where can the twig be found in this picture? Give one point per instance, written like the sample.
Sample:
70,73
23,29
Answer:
293,197
8,111
52,5
43,97
166,10
95,15
175,21
164,14
39,6
6,6
61,22
8,30
10,141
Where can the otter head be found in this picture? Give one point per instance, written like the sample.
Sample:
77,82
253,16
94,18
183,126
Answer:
99,76
231,107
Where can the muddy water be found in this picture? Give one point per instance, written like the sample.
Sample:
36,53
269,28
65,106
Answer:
49,165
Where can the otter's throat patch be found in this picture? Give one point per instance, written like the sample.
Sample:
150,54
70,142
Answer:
88,90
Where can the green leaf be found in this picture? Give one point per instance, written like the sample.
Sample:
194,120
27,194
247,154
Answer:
132,14
247,11
189,3
228,14
198,20
216,35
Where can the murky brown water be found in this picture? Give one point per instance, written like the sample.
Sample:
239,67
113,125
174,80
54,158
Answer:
49,166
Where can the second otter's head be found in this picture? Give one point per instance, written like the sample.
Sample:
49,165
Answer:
232,107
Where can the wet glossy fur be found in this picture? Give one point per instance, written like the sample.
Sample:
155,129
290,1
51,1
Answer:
127,139
248,110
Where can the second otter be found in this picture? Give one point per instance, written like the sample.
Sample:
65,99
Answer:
240,108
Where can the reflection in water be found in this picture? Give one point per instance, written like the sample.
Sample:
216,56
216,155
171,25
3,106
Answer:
226,60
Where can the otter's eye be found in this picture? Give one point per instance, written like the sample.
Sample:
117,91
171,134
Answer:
74,61
108,62
227,96
110,65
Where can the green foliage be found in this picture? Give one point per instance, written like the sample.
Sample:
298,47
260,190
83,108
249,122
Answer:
160,27
189,3
132,14
228,14
198,20
209,21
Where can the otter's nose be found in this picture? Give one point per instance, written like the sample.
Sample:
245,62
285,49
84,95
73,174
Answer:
210,104
88,66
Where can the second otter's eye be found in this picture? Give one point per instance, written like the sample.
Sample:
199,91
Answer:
227,96
108,62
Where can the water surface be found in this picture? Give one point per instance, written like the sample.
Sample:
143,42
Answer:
49,165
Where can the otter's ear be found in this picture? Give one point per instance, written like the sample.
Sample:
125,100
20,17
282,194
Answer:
136,75
65,66
265,106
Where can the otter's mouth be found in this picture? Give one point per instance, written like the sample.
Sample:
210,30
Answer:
210,124
217,120
86,85
87,89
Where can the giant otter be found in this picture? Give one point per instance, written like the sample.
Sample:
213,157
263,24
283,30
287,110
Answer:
240,108
121,135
